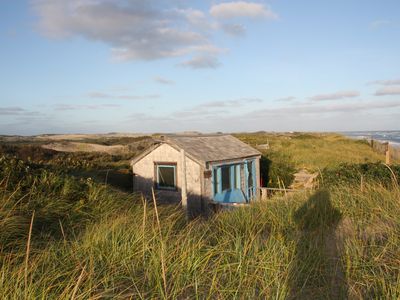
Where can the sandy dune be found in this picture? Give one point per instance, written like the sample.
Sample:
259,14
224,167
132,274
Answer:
86,147
61,137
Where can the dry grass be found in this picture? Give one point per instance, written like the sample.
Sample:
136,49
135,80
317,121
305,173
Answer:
315,151
337,243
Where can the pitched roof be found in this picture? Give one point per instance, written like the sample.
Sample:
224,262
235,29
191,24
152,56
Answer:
208,148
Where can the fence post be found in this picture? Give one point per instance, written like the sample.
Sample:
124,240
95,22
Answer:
387,156
362,183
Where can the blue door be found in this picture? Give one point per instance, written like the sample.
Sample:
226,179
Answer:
250,179
227,184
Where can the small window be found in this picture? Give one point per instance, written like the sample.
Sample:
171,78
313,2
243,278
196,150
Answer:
226,178
215,181
166,176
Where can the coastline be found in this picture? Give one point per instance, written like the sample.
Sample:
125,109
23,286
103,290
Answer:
392,137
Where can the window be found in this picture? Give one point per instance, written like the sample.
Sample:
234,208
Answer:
215,176
250,173
166,176
226,178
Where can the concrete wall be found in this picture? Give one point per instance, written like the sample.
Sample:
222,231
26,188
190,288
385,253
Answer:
144,180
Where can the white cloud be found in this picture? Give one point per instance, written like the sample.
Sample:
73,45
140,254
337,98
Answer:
286,99
219,116
65,107
101,95
162,80
388,90
348,107
14,110
234,29
335,96
18,111
381,23
147,30
202,62
136,29
214,108
386,82
241,9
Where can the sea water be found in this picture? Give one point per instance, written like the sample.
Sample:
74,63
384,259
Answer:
391,136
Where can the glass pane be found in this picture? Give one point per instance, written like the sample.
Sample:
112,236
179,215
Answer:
237,177
250,172
166,176
215,181
226,178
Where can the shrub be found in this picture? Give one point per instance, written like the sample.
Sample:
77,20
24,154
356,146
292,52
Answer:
60,202
354,173
277,169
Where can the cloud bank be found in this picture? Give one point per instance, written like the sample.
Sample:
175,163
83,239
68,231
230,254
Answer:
147,30
335,96
237,9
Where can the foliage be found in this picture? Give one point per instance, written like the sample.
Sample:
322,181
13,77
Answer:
324,245
355,173
91,241
276,169
315,151
58,200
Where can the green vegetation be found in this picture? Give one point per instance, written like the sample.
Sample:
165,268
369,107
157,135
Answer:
276,170
361,173
91,240
314,151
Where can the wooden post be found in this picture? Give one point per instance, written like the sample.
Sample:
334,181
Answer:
183,178
362,183
387,156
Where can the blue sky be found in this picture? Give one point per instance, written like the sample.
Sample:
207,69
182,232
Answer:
101,66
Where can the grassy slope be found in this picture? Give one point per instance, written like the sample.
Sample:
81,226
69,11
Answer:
288,248
313,151
334,243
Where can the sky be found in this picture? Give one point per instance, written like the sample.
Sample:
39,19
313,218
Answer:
99,66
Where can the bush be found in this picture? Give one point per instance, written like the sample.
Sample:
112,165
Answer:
60,202
277,169
354,173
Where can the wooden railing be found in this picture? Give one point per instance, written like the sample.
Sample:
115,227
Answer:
392,153
266,192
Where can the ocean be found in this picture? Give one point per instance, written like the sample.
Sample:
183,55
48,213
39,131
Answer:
392,136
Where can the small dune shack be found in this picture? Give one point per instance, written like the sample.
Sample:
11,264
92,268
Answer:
198,170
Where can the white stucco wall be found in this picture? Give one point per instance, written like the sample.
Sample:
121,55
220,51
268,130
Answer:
145,175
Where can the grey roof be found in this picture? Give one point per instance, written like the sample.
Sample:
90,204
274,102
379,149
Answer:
208,148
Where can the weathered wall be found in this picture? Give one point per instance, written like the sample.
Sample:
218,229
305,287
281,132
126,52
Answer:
144,171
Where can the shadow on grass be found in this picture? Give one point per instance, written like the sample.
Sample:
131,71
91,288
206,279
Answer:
120,179
317,271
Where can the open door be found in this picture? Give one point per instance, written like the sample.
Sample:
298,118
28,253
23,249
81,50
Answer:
251,183
227,184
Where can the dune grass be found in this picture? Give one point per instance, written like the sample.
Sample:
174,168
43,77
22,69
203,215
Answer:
88,240
329,244
315,151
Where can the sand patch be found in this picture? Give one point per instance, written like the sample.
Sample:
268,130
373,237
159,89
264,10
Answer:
86,147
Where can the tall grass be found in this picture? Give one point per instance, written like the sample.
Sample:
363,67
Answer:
334,243
90,241
315,151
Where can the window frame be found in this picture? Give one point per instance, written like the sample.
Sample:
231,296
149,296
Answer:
234,177
173,165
